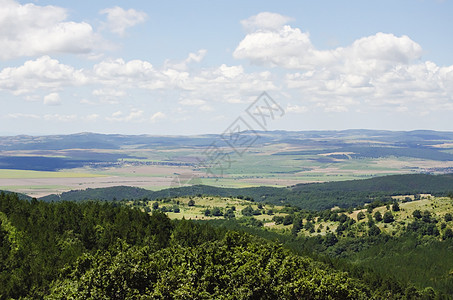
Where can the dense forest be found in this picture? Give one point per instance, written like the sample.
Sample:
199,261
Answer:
106,251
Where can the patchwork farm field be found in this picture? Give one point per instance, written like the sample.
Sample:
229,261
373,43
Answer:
38,166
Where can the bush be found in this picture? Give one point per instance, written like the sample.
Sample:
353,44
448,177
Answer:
378,216
448,234
417,214
360,216
388,217
247,211
396,206
217,212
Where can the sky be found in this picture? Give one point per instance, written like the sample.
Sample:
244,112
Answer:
194,67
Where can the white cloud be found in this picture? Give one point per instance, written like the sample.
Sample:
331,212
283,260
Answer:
109,95
157,116
60,117
42,73
287,47
29,30
265,20
192,102
52,99
92,117
135,115
200,104
192,57
298,109
377,71
119,19
22,115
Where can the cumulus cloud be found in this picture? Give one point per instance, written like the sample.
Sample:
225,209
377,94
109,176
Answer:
381,70
192,57
266,21
29,30
52,99
119,19
291,48
42,73
157,116
135,115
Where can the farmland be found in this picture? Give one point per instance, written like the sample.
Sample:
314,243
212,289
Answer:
54,164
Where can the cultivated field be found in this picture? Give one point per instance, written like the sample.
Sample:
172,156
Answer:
54,164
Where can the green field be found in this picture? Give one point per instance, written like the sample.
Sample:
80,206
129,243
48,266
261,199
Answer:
23,174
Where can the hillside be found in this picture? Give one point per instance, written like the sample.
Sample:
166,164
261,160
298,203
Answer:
92,250
316,196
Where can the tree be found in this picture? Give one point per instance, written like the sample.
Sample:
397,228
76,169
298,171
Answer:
191,202
229,214
216,212
388,217
155,205
396,206
297,225
448,217
378,216
330,239
448,234
247,211
287,220
426,216
360,216
417,214
374,230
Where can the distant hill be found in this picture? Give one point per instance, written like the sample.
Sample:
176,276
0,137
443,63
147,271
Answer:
88,140
19,195
316,196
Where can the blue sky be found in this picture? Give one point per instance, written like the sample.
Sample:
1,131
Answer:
191,67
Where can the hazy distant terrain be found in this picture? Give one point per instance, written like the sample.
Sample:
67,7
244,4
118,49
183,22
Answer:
40,165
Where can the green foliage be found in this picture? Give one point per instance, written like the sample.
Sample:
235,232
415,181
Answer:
378,216
388,217
448,234
43,238
417,214
247,211
395,206
229,214
374,230
360,216
236,267
216,212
